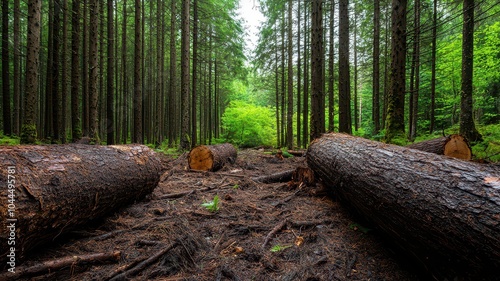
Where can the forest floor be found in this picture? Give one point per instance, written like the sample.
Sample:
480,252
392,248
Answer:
312,235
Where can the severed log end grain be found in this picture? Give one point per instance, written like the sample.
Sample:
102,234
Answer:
211,157
454,145
54,189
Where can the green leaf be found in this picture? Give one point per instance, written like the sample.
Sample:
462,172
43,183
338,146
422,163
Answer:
212,206
278,248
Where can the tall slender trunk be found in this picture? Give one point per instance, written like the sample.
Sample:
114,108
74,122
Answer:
185,47
376,68
76,129
137,131
317,78
331,69
289,118
173,79
94,70
110,124
28,133
56,78
195,74
299,70
355,49
64,74
433,67
85,71
7,118
467,126
344,77
17,72
125,90
305,113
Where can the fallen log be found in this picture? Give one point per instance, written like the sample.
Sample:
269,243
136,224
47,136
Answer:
444,211
453,146
211,157
284,176
50,190
58,264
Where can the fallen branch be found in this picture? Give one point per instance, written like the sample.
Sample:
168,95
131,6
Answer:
54,265
273,178
142,265
277,228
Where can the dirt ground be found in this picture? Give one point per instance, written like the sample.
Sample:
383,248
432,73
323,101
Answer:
260,232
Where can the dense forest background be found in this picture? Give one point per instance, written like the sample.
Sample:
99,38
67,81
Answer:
176,73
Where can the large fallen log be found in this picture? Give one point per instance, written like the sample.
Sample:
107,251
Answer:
444,211
453,145
211,157
49,190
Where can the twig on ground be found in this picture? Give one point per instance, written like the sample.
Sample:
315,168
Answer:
277,228
142,265
57,264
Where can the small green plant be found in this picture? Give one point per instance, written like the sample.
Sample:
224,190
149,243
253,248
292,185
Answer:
212,206
278,248
236,186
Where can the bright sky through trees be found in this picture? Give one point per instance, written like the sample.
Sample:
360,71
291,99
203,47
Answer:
250,13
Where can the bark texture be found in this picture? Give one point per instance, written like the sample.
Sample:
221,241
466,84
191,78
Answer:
211,157
59,187
443,211
453,146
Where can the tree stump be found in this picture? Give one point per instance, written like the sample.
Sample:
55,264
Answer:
444,211
453,146
50,190
211,157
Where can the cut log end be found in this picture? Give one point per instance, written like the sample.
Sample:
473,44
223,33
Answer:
211,157
458,147
201,158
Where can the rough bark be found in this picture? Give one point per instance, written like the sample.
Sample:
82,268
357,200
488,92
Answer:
344,74
58,188
284,176
454,146
317,78
185,50
443,211
211,157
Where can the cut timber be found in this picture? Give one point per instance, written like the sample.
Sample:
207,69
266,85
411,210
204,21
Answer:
56,188
444,211
211,157
453,145
277,177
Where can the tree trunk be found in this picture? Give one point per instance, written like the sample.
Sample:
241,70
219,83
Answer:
76,128
28,134
17,71
211,157
344,76
443,211
376,68
331,69
58,188
433,67
454,146
110,123
395,125
467,126
7,124
289,116
137,131
317,79
185,50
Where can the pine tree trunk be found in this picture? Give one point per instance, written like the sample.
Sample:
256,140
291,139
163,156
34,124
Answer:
185,62
76,128
289,117
28,131
211,157
376,68
453,146
344,76
395,125
61,187
467,126
443,211
7,119
110,123
317,79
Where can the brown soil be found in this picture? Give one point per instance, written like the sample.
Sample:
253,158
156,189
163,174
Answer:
319,239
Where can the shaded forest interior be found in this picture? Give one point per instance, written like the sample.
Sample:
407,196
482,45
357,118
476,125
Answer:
180,73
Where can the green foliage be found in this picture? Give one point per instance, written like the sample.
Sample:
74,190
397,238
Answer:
489,148
212,206
278,248
6,140
248,125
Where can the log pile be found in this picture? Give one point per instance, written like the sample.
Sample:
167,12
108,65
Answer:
443,211
211,157
54,189
453,146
